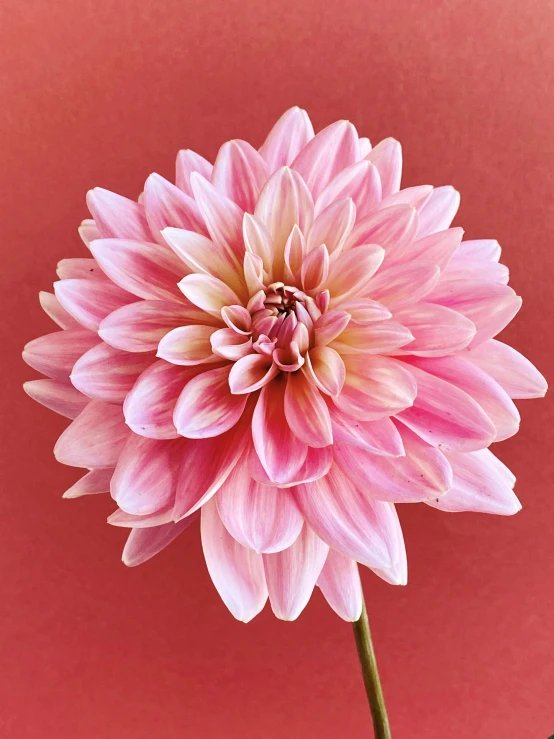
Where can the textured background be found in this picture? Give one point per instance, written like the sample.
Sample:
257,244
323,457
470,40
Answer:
104,92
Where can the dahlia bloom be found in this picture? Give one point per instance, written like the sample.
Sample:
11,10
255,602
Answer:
284,344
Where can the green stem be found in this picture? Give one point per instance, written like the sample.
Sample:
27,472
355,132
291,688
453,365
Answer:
370,673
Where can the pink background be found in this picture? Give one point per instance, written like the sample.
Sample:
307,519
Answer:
105,92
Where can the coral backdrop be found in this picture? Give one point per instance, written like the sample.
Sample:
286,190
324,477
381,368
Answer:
103,93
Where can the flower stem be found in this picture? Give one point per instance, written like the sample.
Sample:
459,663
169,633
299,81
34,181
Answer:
370,673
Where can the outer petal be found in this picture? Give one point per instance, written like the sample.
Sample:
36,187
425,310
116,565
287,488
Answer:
292,574
189,161
53,308
375,387
332,226
403,284
330,151
359,181
393,228
222,216
206,407
306,412
139,327
481,387
351,272
77,269
377,437
55,354
422,473
108,374
149,271
349,520
237,572
340,584
239,173
287,138
143,544
117,217
381,337
60,397
481,483
317,464
444,416
437,248
145,477
437,330
439,211
512,371
281,453
93,483
260,517
387,158
90,301
95,438
149,407
167,205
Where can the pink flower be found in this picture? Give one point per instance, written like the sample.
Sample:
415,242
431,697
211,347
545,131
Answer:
287,345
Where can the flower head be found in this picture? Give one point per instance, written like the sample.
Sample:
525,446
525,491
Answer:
286,345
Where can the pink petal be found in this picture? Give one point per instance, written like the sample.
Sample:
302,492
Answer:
187,345
512,371
348,519
332,226
143,544
325,369
415,196
204,257
284,202
251,373
422,473
360,182
403,284
207,463
166,205
481,387
481,249
340,584
292,574
117,217
444,416
59,397
490,306
149,407
280,452
394,229
478,270
378,437
260,517
227,343
90,301
222,216
438,248
317,464
145,477
439,211
381,337
206,407
481,483
239,173
108,374
88,231
329,326
330,151
315,268
55,354
125,520
71,269
375,387
208,293
139,327
363,310
237,318
53,308
236,572
397,573
149,271
387,158
287,138
295,253
94,482
437,330
351,272
95,438
306,412
189,161
364,147
258,240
